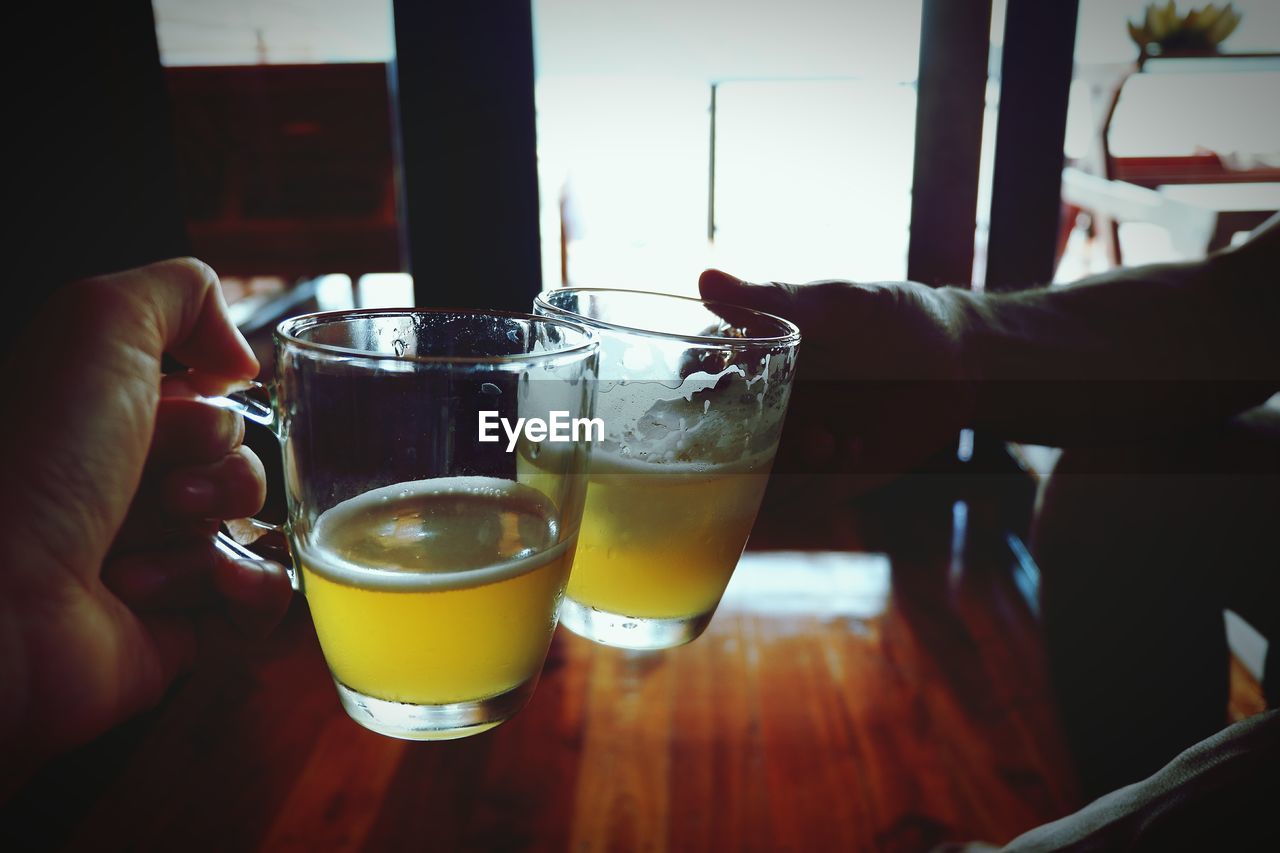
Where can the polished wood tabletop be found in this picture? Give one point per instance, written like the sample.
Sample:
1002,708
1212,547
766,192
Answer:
883,693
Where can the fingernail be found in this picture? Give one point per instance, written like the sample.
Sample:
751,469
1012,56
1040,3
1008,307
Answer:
244,343
194,495
259,570
265,572
248,615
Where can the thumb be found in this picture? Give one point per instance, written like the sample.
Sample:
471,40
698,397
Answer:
771,296
180,302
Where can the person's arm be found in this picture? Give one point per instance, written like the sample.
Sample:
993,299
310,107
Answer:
1214,791
890,371
1144,351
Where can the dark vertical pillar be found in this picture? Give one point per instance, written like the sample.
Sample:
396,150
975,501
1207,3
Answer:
951,94
1035,80
464,86
92,160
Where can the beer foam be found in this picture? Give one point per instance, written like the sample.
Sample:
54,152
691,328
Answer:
706,422
364,512
610,462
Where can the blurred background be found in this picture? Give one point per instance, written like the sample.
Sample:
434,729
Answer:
773,140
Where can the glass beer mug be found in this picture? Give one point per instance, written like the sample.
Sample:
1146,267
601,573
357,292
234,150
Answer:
432,568
693,396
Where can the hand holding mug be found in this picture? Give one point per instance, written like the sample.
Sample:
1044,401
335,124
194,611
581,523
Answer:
115,479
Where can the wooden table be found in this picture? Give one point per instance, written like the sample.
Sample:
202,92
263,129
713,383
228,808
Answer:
885,693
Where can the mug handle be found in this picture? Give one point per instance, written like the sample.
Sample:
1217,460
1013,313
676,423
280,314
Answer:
253,538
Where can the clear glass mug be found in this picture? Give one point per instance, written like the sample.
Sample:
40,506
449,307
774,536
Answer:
693,396
432,568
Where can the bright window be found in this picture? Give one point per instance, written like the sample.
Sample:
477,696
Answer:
815,119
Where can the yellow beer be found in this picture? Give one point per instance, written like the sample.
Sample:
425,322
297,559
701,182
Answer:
661,540
436,591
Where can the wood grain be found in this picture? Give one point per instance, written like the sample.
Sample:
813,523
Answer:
886,693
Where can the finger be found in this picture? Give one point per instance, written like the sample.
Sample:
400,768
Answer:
191,432
173,504
190,318
174,635
772,297
256,594
233,487
193,384
177,577
174,307
177,385
148,527
196,575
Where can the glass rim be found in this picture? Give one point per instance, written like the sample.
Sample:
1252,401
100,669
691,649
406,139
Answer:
286,332
791,337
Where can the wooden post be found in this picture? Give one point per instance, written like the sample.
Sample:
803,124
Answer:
951,96
468,170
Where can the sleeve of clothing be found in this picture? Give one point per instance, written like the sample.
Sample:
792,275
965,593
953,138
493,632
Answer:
1135,353
1217,795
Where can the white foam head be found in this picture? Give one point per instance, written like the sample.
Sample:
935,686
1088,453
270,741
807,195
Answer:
397,537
